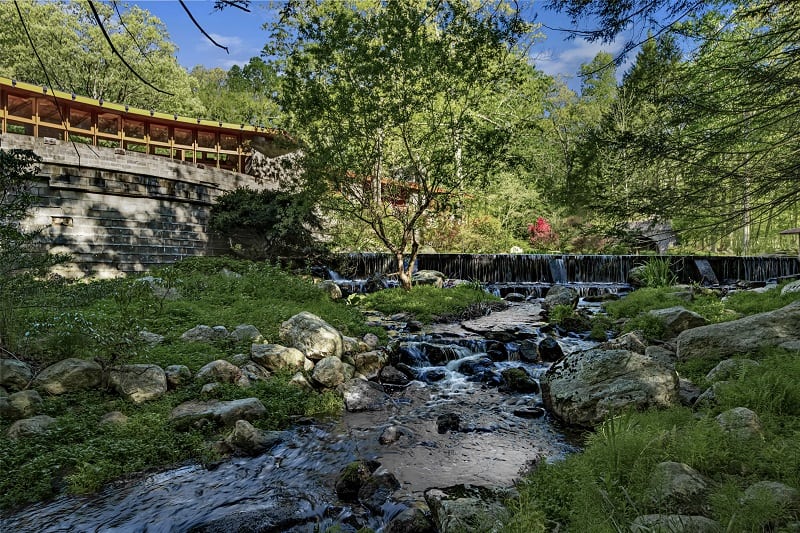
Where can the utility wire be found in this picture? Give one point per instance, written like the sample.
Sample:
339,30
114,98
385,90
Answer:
199,27
47,77
131,35
118,54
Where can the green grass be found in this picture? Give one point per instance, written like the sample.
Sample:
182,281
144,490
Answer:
428,303
656,273
52,320
102,319
605,487
750,303
80,455
646,299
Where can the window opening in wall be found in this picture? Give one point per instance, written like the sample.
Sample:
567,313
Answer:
108,123
159,133
133,129
81,120
20,107
48,112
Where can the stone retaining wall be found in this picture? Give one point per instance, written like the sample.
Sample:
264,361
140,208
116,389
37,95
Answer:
116,211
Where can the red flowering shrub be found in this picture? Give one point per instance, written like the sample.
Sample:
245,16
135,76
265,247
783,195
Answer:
541,233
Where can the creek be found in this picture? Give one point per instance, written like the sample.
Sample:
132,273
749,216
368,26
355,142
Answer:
497,436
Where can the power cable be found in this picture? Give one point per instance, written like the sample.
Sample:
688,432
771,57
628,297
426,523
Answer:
117,53
199,27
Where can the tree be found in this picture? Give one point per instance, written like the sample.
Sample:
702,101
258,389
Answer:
242,94
18,251
266,224
729,115
76,58
387,97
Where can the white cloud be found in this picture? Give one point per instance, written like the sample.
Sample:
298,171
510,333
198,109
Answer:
567,62
231,41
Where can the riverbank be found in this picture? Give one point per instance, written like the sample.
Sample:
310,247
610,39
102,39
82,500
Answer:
611,478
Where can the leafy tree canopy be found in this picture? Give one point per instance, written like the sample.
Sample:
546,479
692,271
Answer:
390,99
76,57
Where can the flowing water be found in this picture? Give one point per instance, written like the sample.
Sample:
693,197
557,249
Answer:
291,488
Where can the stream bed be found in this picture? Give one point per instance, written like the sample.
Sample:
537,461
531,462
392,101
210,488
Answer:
490,438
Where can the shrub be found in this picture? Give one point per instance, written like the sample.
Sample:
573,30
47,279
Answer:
18,253
266,224
651,326
560,313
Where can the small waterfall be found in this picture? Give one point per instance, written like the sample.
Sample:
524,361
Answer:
546,269
558,271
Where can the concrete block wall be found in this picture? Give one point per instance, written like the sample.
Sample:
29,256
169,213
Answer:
117,212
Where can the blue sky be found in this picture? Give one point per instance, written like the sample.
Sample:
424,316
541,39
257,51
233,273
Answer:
242,33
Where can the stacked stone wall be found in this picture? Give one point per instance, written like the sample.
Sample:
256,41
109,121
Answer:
119,211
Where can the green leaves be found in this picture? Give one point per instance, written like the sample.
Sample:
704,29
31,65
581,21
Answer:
390,99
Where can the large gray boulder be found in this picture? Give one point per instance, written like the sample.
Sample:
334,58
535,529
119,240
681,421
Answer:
330,288
14,374
780,328
411,520
677,486
677,319
178,376
560,295
69,375
204,333
275,357
362,395
329,372
728,369
369,363
196,413
31,427
584,388
220,371
778,493
22,404
248,440
138,383
312,336
245,332
740,422
468,508
150,339
428,277
790,288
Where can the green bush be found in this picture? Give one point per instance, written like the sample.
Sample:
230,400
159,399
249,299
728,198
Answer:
266,224
651,326
559,313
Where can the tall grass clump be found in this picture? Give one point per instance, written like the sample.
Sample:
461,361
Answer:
658,273
608,484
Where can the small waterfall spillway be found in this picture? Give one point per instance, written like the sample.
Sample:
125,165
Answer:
533,274
457,422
